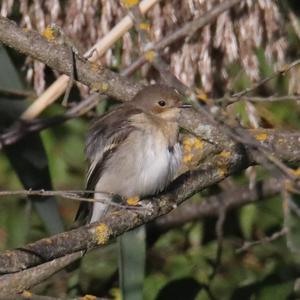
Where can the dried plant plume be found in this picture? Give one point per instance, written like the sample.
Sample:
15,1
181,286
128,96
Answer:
201,60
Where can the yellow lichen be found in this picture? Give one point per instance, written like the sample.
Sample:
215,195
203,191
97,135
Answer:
27,294
99,87
102,233
225,154
104,87
261,137
201,95
150,55
222,171
187,158
187,148
296,172
187,141
145,26
49,33
94,66
88,297
130,3
133,201
198,144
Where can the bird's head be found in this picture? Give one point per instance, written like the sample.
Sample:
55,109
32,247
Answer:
159,100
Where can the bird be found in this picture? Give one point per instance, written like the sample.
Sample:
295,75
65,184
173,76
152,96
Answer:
133,150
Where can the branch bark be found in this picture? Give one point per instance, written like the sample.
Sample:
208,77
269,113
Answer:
211,206
57,56
213,170
17,282
116,222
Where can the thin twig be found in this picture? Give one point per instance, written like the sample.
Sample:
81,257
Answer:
238,134
72,195
220,234
281,71
230,100
275,236
211,206
182,32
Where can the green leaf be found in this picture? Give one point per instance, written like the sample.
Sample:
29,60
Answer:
9,79
27,156
132,257
273,287
247,218
14,214
277,291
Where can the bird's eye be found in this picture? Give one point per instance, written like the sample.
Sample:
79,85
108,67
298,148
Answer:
162,103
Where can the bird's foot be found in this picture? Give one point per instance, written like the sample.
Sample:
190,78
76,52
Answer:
133,201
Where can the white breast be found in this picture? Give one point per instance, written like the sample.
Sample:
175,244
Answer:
155,165
143,165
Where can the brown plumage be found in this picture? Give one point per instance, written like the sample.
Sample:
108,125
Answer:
133,150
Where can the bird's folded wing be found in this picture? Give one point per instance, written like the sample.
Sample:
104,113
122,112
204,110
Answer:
105,136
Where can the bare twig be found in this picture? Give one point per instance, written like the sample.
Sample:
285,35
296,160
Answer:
211,206
281,71
220,235
238,134
186,30
230,100
73,195
268,239
153,57
116,222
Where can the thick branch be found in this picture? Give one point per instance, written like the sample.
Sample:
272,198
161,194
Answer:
213,170
57,56
23,280
116,222
212,205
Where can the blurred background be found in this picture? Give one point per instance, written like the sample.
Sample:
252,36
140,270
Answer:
245,44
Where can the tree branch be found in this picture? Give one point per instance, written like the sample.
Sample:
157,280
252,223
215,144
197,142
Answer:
56,56
17,282
191,211
213,170
116,222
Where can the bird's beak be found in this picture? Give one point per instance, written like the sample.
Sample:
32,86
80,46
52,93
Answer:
185,105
